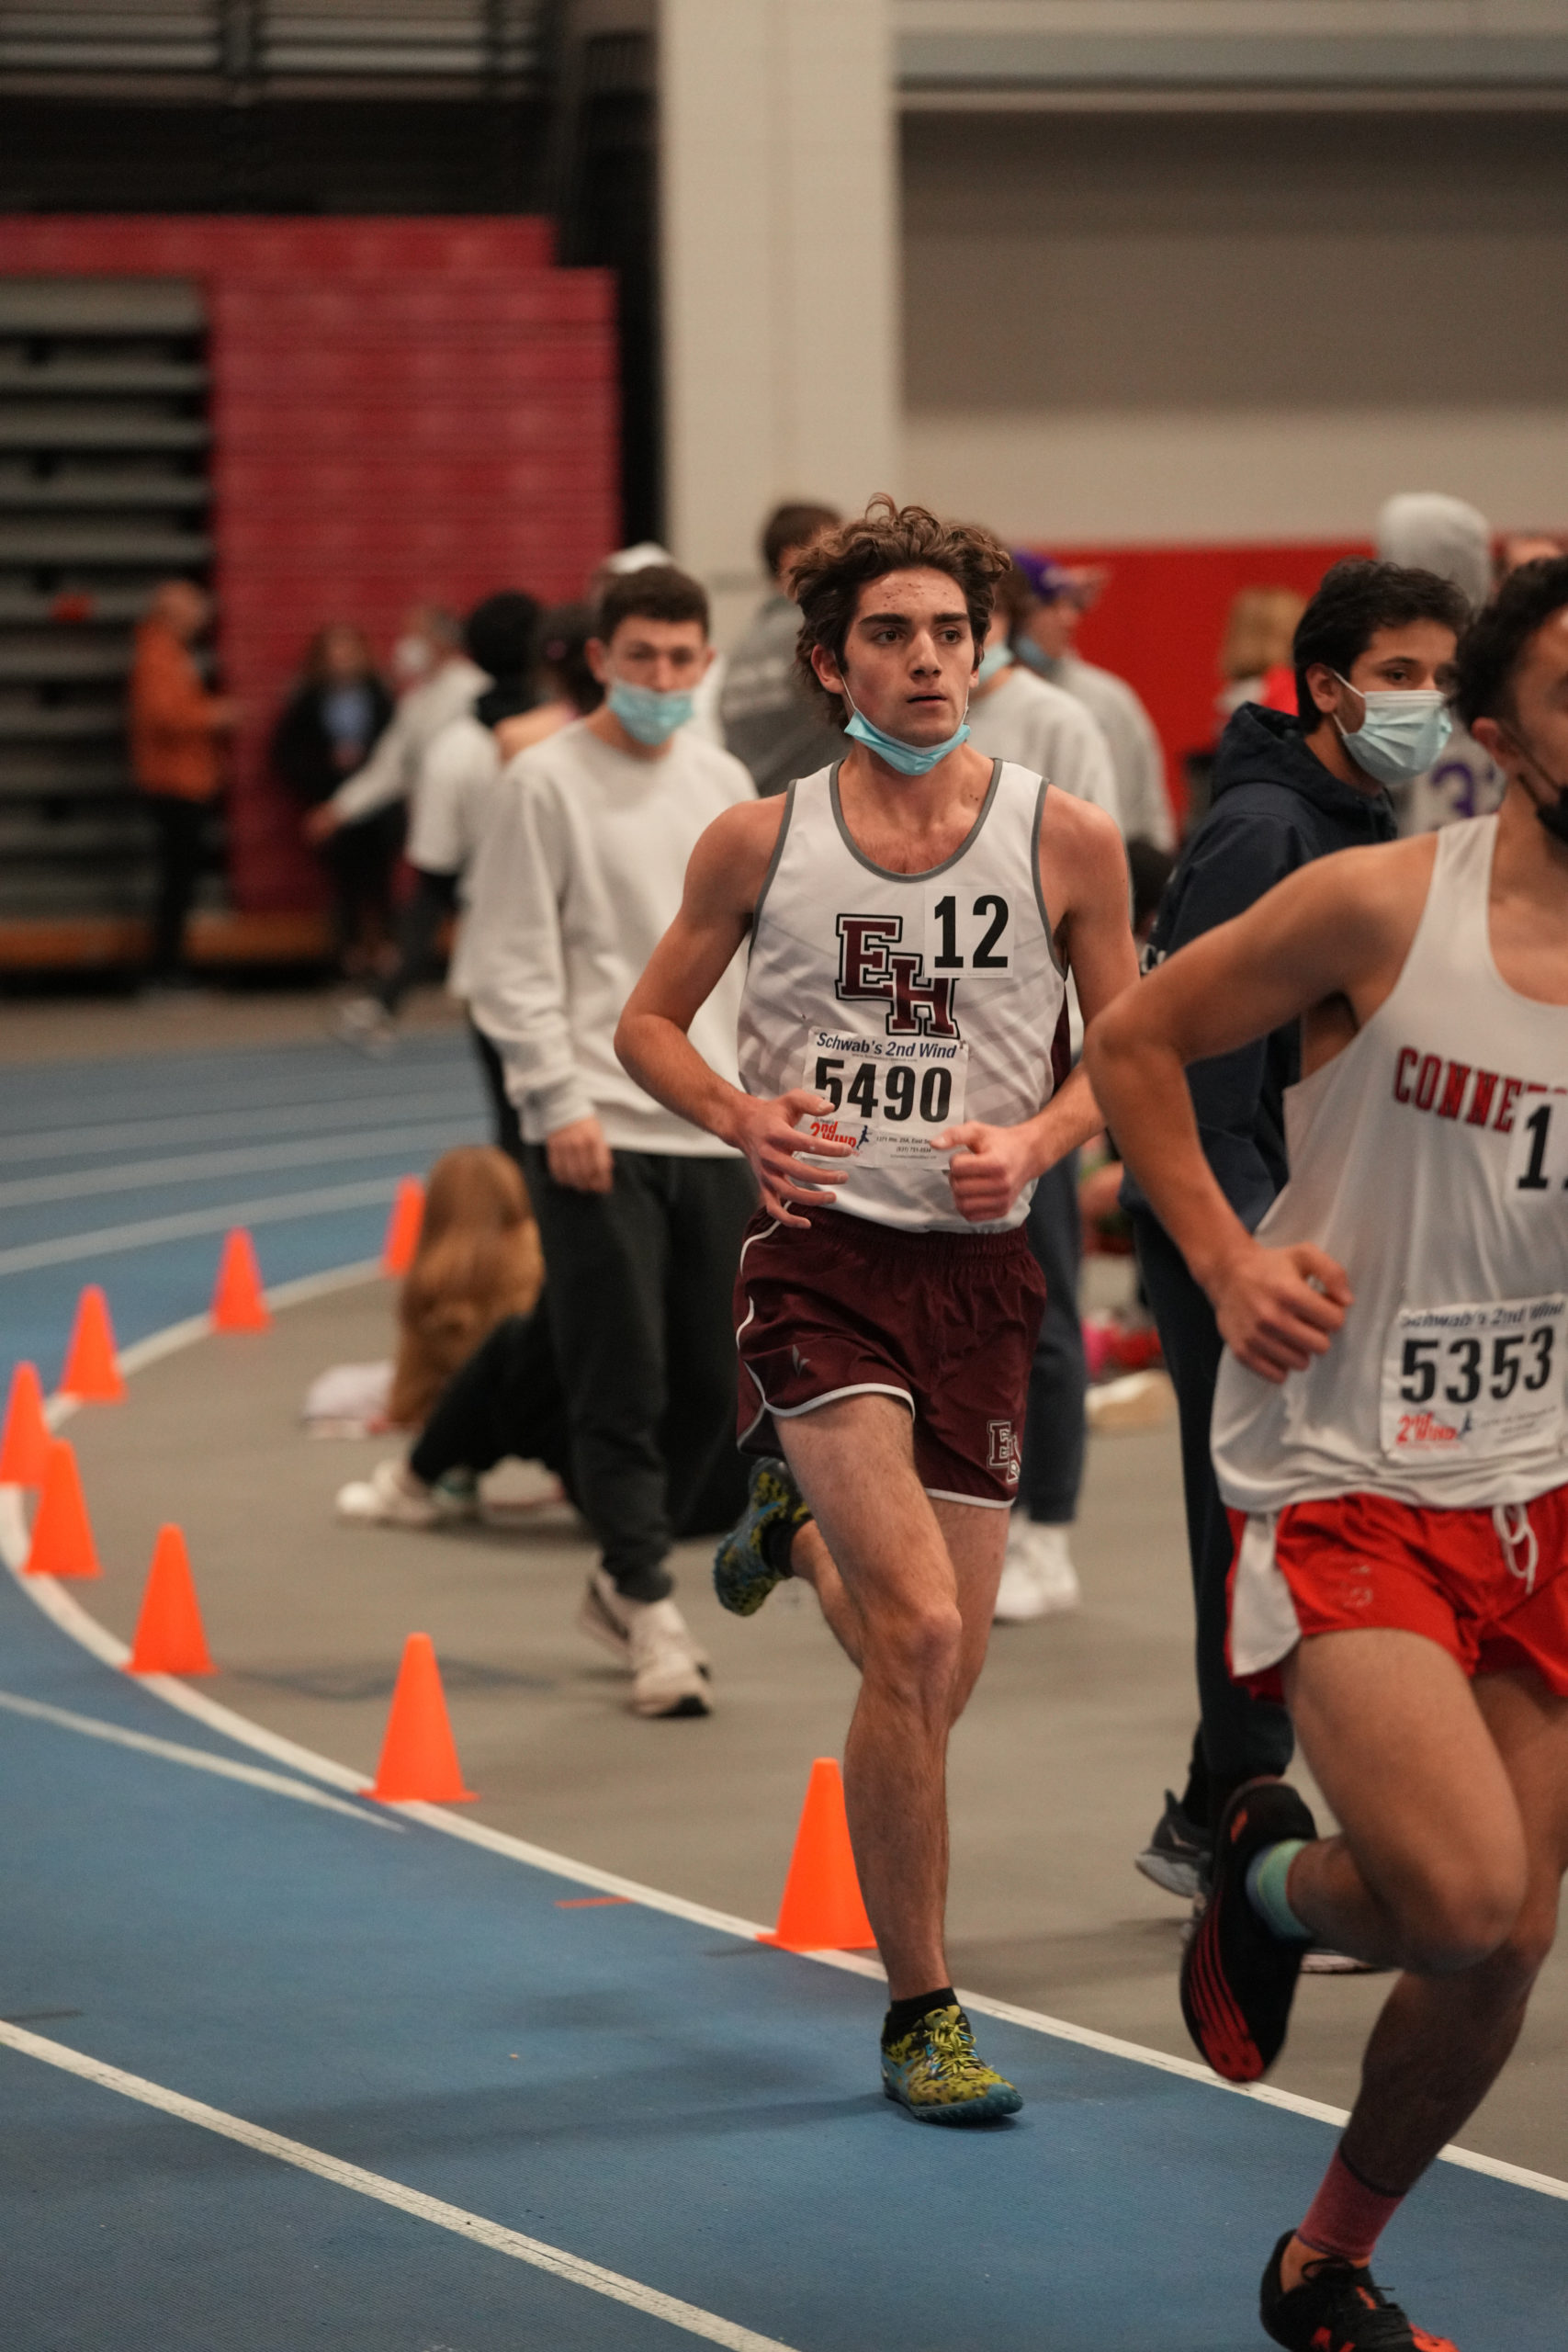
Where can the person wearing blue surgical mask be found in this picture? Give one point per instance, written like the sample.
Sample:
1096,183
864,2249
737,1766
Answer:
650,670
1393,734
1371,654
577,876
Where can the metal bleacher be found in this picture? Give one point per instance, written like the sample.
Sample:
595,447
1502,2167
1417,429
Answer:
311,40
170,171
103,490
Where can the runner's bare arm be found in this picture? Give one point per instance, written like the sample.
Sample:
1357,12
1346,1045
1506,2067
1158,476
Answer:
724,881
1337,930
1081,853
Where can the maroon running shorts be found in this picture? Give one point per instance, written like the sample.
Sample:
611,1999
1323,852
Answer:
947,1322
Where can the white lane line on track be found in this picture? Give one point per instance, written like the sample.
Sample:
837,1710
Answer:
278,1208
552,2259
170,1751
252,1159
71,1618
231,1126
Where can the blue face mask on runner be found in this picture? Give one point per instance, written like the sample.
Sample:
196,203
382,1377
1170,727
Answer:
996,658
909,759
650,717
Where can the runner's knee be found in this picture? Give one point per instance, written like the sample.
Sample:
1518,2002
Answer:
1461,1914
1520,1957
916,1645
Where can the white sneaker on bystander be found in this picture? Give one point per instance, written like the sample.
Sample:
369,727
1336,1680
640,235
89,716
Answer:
1038,1576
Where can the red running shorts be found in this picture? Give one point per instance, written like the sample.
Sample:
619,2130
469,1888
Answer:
1487,1586
947,1322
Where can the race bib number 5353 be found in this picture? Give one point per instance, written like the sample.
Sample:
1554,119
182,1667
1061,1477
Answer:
1472,1381
889,1097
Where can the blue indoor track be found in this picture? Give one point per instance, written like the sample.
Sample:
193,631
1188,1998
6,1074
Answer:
695,2113
129,1173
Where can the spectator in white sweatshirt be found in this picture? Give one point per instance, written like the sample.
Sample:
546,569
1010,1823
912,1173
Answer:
579,877
1015,715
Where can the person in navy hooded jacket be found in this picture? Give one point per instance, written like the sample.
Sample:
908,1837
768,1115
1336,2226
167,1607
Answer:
1371,654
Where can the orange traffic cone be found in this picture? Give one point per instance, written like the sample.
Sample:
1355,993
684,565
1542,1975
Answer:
91,1373
402,1227
24,1446
822,1910
419,1756
169,1635
62,1533
238,1303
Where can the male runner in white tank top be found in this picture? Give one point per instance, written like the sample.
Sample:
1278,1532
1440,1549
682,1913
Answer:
913,913
1390,1435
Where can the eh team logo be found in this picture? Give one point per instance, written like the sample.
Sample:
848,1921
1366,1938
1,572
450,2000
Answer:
1003,1454
874,969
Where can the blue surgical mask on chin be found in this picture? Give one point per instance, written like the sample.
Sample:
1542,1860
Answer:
909,759
995,659
1402,734
650,717
1027,651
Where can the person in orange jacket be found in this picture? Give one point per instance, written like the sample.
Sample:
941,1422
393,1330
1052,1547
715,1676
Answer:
176,727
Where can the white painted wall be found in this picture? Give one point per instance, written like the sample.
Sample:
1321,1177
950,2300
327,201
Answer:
780,264
1285,473
1138,328
1230,42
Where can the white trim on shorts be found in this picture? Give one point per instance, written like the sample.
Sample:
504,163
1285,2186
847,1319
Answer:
981,1502
1264,1626
741,1331
831,1397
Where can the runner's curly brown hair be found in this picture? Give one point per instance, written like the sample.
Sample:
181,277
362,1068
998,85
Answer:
887,537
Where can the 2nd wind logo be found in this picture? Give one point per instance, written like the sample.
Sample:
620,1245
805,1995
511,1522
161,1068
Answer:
1430,1429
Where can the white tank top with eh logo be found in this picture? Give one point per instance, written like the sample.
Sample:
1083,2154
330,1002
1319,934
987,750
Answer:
1430,1158
910,1001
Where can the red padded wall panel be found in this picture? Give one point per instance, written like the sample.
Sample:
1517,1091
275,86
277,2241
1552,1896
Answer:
184,245
401,411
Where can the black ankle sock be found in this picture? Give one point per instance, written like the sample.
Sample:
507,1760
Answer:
777,1536
904,2016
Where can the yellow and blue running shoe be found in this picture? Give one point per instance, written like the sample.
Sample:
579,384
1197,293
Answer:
933,2071
754,1556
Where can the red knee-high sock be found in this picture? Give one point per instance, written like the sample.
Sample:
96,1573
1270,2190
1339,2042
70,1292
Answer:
1347,2215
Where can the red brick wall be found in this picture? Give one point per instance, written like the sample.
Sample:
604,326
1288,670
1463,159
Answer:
402,409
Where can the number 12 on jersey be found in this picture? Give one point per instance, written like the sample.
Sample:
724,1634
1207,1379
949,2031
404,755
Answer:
970,933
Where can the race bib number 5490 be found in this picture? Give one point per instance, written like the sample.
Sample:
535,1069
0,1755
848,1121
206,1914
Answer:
1472,1381
889,1097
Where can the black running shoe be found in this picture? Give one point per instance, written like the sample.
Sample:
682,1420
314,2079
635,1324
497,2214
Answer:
1337,2308
1178,1854
1238,1978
